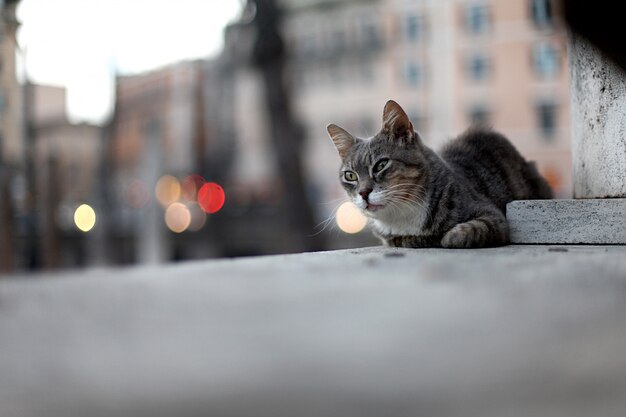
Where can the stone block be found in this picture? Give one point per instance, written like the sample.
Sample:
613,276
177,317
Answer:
590,221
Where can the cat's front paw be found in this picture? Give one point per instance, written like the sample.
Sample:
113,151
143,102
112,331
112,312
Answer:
460,236
410,241
395,241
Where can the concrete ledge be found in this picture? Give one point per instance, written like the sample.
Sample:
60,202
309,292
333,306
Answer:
533,331
584,221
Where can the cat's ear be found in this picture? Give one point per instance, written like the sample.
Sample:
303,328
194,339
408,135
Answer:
396,121
343,140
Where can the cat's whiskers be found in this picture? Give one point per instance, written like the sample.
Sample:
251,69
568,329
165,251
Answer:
330,220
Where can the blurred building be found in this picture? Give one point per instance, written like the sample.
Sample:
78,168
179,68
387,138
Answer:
166,140
11,107
11,135
66,159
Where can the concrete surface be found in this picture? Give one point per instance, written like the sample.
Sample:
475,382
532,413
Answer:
590,221
513,331
598,110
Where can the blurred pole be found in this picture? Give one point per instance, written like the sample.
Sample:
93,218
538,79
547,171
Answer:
150,234
7,231
287,136
98,253
31,223
50,233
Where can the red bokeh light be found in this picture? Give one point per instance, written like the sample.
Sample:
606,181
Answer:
211,197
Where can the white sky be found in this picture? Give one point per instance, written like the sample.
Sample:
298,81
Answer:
80,44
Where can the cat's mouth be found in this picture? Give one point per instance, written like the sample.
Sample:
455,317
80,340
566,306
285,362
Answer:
373,207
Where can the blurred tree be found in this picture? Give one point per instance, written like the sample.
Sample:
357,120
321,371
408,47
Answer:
287,136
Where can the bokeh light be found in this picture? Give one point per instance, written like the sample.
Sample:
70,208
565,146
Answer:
84,217
211,197
198,217
177,217
167,190
349,218
191,185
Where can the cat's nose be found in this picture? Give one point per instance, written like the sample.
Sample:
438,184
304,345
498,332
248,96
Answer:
365,194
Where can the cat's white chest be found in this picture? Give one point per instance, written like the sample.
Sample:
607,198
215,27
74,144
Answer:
401,222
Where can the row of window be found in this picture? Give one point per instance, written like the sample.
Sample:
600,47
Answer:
476,19
333,37
477,66
347,75
545,60
545,115
365,31
477,16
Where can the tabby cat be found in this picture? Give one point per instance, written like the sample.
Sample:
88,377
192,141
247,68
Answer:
417,198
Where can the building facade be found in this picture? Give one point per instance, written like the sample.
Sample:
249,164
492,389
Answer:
66,161
449,63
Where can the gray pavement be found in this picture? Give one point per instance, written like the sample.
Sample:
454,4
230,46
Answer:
513,331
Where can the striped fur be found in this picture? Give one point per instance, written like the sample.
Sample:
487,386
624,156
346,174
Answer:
417,198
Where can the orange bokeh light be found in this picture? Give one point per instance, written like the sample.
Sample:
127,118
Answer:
177,217
167,190
211,197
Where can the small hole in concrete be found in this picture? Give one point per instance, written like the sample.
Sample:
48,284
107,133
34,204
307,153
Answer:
558,250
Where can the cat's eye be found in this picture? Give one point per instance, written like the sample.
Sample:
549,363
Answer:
350,176
380,165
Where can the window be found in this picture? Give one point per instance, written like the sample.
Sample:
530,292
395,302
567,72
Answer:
476,18
338,40
413,74
546,119
541,12
478,114
545,59
371,35
414,27
477,67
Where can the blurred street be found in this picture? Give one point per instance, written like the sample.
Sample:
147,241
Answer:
519,330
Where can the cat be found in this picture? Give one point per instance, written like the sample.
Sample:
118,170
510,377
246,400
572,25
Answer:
416,198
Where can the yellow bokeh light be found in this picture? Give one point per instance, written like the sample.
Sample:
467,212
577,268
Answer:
167,190
349,218
177,217
85,217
